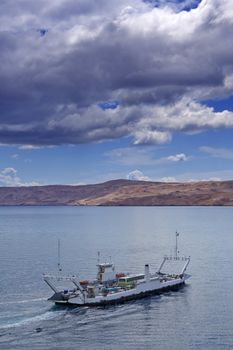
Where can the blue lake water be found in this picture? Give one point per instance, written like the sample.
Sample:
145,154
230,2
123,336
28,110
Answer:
199,316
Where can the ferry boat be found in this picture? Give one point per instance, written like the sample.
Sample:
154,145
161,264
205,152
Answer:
110,287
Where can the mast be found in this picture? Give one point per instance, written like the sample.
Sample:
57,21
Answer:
176,247
59,256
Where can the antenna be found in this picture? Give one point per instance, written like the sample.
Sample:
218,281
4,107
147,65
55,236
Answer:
176,248
98,260
59,255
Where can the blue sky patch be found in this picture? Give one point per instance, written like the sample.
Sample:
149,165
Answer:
182,5
220,105
108,105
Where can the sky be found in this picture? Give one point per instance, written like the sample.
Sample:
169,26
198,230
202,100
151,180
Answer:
92,91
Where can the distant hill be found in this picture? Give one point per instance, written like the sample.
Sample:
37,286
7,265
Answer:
122,193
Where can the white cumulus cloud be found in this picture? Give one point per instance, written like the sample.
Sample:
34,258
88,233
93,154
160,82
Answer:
181,157
9,178
137,175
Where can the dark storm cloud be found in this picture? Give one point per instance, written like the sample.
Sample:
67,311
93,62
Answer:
155,62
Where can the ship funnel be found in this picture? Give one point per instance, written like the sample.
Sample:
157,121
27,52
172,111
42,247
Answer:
147,273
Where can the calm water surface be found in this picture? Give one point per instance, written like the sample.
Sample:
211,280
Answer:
200,316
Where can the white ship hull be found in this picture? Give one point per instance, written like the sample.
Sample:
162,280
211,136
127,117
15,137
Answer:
142,290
